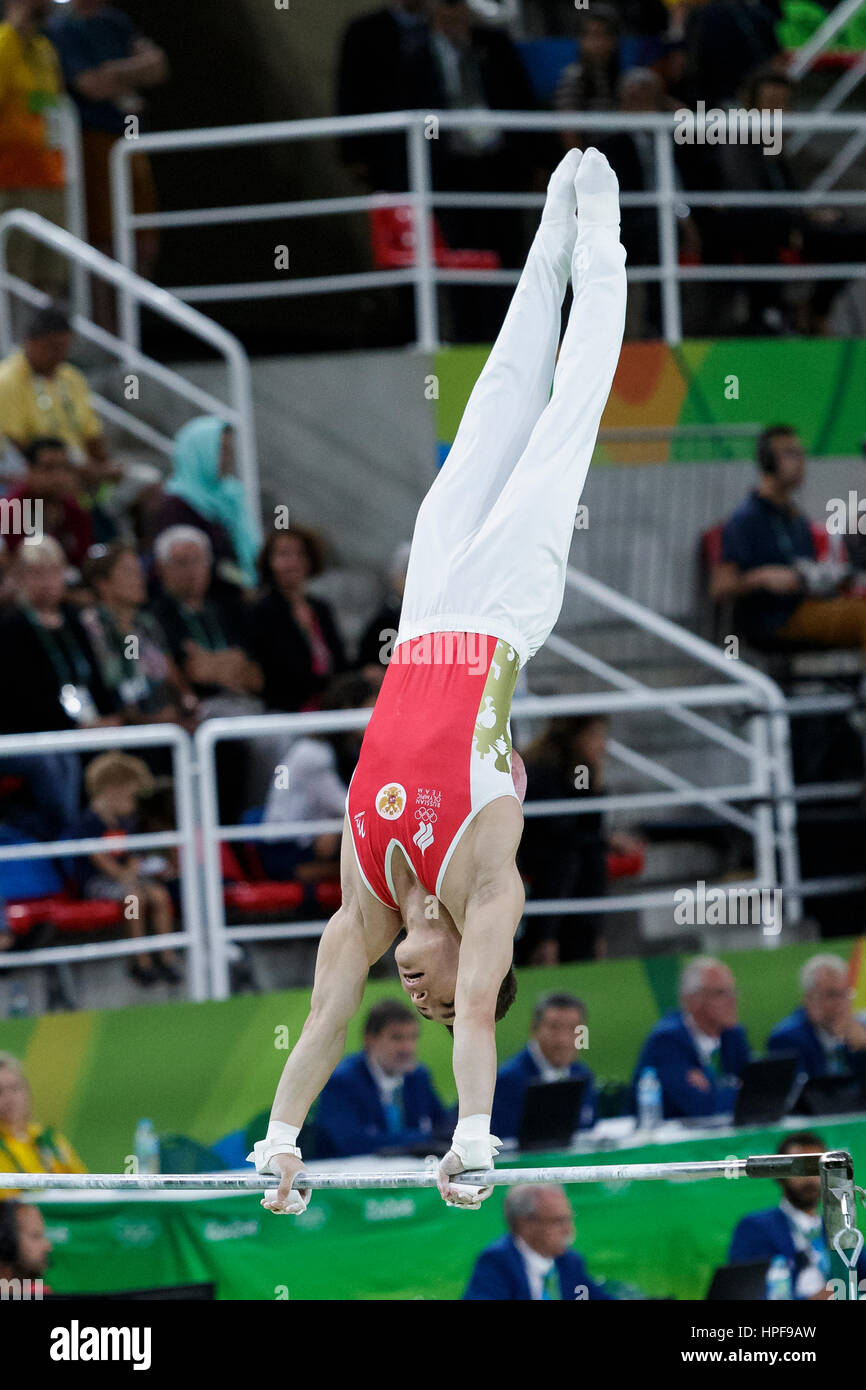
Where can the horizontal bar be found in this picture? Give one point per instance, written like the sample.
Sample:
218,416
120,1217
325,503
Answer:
761,1166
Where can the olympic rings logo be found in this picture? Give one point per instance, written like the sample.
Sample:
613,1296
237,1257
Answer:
429,816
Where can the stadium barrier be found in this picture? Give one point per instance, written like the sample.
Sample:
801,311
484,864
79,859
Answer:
420,128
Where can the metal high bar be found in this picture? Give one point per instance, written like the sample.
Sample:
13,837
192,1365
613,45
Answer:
758,1166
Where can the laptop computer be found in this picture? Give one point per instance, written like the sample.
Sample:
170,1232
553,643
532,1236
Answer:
739,1283
767,1090
551,1113
838,1094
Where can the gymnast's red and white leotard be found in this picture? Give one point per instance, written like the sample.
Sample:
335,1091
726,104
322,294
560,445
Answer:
436,750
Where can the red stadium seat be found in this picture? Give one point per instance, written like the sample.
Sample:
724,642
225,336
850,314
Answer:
65,914
329,895
249,897
625,865
392,238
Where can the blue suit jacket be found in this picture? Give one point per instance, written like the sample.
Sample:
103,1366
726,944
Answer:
797,1034
764,1234
500,1274
671,1049
512,1080
351,1120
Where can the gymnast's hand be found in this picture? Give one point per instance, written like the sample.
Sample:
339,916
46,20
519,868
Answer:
458,1194
286,1200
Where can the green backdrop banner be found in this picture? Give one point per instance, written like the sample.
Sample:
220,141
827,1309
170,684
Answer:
205,1070
663,1238
814,384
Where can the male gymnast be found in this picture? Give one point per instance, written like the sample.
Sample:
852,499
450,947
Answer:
433,814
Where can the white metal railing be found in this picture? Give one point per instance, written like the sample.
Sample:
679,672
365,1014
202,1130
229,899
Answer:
237,410
190,936
424,276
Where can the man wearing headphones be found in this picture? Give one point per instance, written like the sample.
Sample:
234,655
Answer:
770,566
25,1250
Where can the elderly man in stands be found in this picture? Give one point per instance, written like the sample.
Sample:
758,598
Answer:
534,1262
202,631
828,1037
699,1051
380,1097
549,1055
769,565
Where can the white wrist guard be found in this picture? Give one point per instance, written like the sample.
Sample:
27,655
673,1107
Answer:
473,1143
280,1139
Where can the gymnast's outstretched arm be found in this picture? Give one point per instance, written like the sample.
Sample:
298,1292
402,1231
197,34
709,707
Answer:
347,949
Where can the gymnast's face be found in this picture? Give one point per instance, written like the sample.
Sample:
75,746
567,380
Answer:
427,960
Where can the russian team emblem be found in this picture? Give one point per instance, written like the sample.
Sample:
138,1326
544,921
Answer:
391,801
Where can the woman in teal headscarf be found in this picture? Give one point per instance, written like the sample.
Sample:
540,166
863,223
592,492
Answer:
204,492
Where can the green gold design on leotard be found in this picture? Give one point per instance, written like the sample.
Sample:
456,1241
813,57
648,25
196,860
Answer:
491,724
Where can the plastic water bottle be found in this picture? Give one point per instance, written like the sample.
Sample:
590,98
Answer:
19,1001
779,1280
649,1100
145,1146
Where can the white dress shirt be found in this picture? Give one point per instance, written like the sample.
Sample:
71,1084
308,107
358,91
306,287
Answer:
537,1268
546,1069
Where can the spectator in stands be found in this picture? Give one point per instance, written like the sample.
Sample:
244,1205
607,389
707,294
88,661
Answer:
291,635
699,1051
380,1097
769,235
114,782
794,1229
128,642
311,783
477,67
47,497
534,1261
32,172
42,395
105,61
591,83
550,1055
203,631
566,856
825,1033
204,492
726,39
201,628
769,565
25,1145
52,680
384,64
25,1249
632,156
377,642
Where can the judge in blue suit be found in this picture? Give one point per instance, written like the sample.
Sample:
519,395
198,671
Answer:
827,1036
699,1051
556,1031
534,1261
381,1097
794,1228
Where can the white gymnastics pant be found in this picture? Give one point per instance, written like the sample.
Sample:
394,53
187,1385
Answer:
493,534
